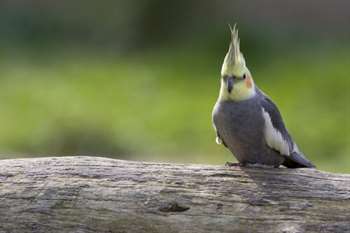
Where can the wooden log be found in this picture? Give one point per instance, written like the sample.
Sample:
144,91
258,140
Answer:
92,194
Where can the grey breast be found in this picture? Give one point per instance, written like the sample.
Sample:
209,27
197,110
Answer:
241,126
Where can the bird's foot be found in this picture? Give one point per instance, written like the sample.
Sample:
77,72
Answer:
230,164
257,165
250,165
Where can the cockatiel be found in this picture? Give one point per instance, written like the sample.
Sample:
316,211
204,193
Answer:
247,122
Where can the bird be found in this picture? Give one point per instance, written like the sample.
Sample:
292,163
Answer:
247,122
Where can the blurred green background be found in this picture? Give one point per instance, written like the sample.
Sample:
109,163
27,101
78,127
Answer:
138,79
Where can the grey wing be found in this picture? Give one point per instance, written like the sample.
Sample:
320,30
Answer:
218,139
278,138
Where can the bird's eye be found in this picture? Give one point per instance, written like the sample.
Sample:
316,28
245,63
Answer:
244,76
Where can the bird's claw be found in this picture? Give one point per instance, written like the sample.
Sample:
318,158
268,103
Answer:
249,165
263,166
231,164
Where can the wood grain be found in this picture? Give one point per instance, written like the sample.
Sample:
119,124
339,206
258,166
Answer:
92,194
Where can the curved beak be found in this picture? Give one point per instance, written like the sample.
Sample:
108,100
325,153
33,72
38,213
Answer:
229,84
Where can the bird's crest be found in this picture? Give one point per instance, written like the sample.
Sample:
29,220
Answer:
234,58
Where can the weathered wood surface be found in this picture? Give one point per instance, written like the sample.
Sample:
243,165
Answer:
90,194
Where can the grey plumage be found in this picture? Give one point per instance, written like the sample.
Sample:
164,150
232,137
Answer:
247,122
241,127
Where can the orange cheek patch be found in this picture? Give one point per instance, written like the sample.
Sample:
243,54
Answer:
248,82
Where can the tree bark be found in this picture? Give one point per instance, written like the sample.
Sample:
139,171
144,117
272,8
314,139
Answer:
91,194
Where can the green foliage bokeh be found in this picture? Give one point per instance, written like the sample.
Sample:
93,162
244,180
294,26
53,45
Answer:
140,82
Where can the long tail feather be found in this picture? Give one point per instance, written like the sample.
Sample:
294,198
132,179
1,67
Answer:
296,160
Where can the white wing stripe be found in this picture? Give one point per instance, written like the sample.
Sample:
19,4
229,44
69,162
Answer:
273,137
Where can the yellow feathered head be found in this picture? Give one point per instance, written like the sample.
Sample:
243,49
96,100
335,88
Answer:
236,80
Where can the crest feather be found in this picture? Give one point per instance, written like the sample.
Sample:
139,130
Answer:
234,56
234,52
